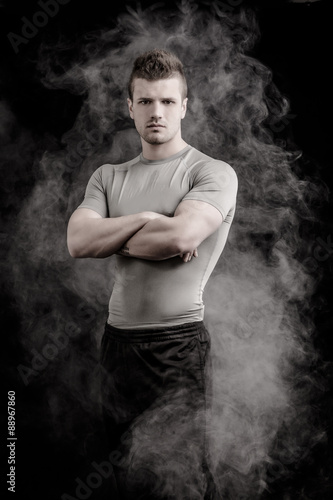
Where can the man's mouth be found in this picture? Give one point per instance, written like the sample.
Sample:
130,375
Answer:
155,125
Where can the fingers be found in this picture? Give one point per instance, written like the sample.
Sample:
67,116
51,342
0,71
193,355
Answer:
186,257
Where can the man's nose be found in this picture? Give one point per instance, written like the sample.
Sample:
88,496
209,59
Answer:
156,111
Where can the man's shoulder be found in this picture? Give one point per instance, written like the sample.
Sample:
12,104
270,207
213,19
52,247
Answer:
197,160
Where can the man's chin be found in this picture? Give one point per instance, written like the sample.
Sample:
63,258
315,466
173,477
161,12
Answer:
154,140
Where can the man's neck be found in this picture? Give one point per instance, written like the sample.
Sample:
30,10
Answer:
161,151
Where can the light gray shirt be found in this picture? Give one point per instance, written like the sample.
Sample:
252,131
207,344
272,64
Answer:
146,293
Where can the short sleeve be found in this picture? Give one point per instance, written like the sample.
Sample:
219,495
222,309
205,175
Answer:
95,195
214,182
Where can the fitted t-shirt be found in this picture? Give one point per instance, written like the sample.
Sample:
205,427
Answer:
146,293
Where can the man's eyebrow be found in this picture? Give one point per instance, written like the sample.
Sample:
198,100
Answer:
152,98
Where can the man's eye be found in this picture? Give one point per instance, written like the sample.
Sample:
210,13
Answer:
167,102
143,102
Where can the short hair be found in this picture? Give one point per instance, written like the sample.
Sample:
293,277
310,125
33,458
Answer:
157,64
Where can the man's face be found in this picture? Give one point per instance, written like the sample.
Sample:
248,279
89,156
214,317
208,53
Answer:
157,109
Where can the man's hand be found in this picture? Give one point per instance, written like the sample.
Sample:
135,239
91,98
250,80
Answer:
188,255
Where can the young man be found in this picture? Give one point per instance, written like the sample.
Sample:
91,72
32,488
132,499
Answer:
166,214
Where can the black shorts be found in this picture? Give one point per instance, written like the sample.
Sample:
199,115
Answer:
156,391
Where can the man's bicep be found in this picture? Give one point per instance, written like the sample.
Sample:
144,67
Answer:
81,214
215,183
95,198
197,220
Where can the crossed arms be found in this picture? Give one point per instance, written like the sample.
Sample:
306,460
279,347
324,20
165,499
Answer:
146,235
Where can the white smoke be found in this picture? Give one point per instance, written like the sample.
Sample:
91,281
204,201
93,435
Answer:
258,300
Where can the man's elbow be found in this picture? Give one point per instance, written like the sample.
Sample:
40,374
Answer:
76,242
73,241
75,246
74,250
184,243
84,250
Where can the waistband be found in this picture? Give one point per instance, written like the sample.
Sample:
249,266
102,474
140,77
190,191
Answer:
155,334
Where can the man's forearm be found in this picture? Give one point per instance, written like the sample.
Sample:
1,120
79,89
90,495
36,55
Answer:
157,240
102,237
167,237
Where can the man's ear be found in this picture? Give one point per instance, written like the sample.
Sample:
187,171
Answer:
184,107
130,107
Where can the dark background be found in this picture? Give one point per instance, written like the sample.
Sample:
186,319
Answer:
296,44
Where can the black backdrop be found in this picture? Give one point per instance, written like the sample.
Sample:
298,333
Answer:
295,44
